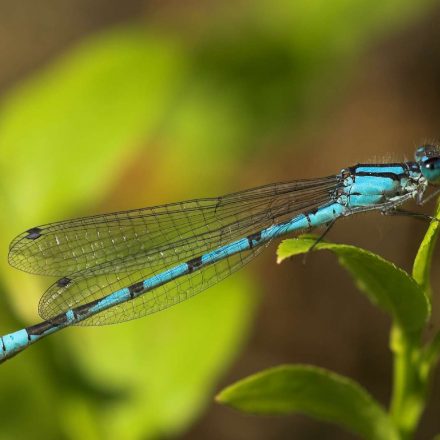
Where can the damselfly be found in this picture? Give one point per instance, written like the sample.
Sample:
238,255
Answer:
124,265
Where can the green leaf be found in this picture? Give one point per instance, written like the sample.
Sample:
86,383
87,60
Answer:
422,262
71,127
387,286
312,391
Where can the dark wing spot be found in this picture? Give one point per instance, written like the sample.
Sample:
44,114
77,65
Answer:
63,282
33,233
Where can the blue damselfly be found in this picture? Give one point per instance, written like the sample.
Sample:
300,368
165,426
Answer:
120,266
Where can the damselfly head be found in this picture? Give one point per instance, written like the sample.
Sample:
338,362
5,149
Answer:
428,159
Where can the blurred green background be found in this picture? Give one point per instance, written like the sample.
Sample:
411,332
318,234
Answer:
110,105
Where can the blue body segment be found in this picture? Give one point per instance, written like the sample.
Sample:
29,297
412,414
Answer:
395,169
14,342
288,208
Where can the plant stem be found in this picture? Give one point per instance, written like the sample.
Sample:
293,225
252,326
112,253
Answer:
409,387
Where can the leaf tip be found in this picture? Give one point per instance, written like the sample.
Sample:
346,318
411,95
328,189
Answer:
222,397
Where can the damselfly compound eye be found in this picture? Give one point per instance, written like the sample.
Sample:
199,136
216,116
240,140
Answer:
428,159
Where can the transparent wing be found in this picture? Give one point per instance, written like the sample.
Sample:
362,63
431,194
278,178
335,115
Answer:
157,237
152,240
83,290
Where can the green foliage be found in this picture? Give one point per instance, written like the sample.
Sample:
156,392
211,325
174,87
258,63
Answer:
313,391
422,263
332,398
76,121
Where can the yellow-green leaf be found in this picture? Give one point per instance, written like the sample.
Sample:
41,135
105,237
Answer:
422,262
